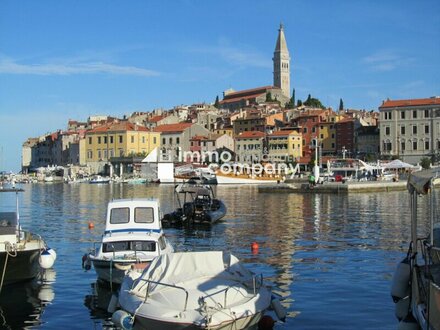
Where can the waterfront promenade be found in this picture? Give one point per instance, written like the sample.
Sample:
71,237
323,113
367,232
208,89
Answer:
334,187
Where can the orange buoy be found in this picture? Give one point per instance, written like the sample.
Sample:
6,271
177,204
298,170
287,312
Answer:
91,225
254,247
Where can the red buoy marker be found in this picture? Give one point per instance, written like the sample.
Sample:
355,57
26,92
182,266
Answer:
254,247
91,225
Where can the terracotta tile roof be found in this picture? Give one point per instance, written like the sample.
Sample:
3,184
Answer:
411,102
117,126
155,119
343,121
282,133
172,128
257,90
236,99
251,134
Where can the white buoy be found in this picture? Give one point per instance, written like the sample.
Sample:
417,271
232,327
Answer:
400,285
401,308
280,311
122,319
112,304
52,253
46,260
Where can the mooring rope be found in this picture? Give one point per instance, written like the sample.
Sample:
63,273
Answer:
11,251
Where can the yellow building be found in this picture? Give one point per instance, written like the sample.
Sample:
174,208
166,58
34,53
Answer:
327,137
119,139
221,131
285,146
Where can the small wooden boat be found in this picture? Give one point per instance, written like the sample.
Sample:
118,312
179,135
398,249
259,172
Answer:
197,205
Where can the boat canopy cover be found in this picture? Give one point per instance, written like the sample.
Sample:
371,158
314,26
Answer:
420,181
179,267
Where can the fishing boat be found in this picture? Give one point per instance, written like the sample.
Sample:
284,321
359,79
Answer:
193,290
133,236
22,254
196,204
416,282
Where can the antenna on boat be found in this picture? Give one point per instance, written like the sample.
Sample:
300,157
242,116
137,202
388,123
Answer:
17,214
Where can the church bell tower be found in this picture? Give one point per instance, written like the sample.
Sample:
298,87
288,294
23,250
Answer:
281,64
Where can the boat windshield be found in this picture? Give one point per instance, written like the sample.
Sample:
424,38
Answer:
120,246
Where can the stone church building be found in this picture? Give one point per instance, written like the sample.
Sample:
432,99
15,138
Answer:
280,91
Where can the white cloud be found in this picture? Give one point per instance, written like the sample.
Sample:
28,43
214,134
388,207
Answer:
10,66
386,60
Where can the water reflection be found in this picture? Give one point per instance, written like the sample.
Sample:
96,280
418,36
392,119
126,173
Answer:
324,254
22,304
98,300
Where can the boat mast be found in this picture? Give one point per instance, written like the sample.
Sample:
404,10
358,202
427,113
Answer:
17,214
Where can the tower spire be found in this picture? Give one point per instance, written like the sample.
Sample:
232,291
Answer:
281,63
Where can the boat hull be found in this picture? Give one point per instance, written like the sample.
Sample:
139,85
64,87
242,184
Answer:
114,271
242,323
22,267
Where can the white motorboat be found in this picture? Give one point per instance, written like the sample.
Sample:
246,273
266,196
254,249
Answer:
416,282
133,237
97,179
193,290
22,254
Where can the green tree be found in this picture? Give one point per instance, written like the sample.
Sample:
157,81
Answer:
217,102
341,105
313,102
425,162
299,103
269,97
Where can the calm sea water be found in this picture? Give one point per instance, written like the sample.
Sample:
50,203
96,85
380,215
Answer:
331,257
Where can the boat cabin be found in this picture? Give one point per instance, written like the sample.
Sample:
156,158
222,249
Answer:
133,215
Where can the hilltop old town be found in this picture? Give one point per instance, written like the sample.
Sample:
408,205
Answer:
249,124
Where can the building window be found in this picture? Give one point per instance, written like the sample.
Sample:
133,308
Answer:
132,138
89,154
333,145
111,139
99,154
333,135
120,138
154,140
426,129
414,144
414,114
171,140
105,153
427,114
111,153
143,139
402,130
163,141
105,139
177,140
387,115
402,114
402,145
121,152
387,131
322,136
414,129
304,130
426,144
90,140
99,140
313,129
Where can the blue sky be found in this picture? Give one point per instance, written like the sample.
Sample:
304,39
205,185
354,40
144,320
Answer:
62,60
